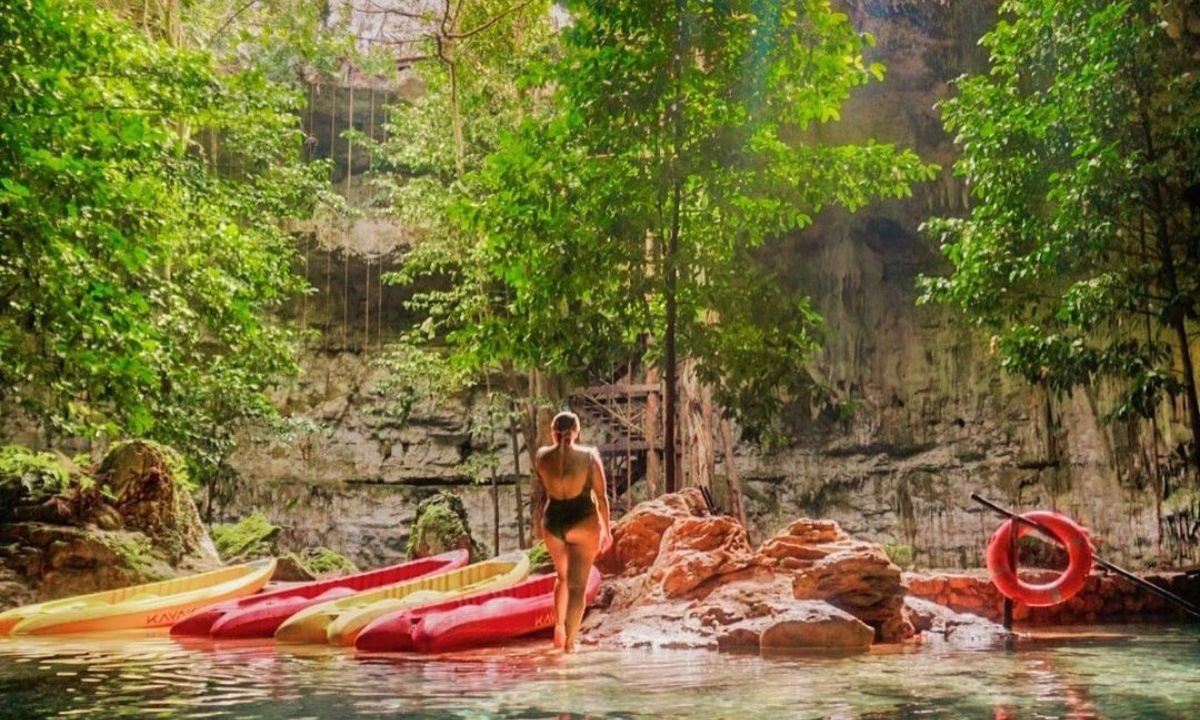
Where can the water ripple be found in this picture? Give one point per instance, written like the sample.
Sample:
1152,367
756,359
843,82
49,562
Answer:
1151,673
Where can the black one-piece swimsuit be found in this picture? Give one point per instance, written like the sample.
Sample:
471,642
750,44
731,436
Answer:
562,515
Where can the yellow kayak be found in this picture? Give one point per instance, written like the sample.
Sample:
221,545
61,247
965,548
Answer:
340,621
152,605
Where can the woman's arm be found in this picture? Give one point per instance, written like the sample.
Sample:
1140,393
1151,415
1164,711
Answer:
537,501
600,490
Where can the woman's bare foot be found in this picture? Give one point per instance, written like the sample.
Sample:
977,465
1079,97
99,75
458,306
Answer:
569,646
560,636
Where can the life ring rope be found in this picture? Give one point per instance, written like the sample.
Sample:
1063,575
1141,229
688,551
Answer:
1004,573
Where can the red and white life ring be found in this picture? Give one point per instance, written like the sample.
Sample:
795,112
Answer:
1073,537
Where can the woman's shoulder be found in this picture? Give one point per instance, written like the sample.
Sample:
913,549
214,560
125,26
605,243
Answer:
589,450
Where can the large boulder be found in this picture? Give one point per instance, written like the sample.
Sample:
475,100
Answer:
69,530
441,525
61,560
252,537
682,576
753,611
316,563
854,575
939,623
695,551
758,614
637,537
148,484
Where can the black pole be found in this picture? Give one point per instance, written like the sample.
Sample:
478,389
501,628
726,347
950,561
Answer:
1013,560
1163,592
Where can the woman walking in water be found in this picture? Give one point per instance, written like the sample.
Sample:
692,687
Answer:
574,523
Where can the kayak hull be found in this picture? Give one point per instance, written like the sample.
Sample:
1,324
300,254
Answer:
480,619
261,615
147,606
339,621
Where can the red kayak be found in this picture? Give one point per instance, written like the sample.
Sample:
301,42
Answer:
259,616
473,620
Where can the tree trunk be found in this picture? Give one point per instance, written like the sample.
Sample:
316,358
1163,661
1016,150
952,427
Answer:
1189,386
545,394
653,424
695,429
653,427
737,502
671,255
1158,478
516,452
672,382
350,126
1158,492
1178,323
1160,209
708,455
628,447
495,513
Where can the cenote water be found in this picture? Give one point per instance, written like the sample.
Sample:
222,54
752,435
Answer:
1122,673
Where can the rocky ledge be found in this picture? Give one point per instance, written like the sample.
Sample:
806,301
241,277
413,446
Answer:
67,530
680,576
1104,597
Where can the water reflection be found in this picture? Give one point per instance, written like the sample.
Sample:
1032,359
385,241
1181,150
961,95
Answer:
1153,673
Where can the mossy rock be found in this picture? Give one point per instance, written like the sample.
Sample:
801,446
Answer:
900,554
540,562
316,563
51,561
441,525
148,485
253,537
324,562
43,487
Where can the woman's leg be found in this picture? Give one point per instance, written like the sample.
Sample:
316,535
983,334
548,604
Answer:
558,555
583,544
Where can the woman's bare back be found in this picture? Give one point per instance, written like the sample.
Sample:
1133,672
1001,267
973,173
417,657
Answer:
566,475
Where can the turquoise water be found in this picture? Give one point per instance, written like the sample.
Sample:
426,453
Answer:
1121,673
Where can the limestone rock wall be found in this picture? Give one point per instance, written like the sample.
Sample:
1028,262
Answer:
351,478
922,414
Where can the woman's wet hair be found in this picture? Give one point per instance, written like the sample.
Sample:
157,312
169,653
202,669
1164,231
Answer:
563,423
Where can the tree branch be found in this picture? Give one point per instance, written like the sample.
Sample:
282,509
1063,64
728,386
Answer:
229,20
495,19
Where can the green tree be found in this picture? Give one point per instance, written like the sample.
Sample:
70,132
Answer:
1081,148
626,220
139,272
468,55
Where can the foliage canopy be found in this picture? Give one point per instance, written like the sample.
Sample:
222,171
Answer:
1081,148
143,196
624,218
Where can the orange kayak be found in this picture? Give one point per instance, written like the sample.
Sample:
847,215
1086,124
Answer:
152,605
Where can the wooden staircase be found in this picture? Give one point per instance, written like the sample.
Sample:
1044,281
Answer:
614,418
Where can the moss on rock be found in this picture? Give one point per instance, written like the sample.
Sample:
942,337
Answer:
539,559
148,485
325,562
900,554
441,525
253,537
28,478
67,529
135,554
